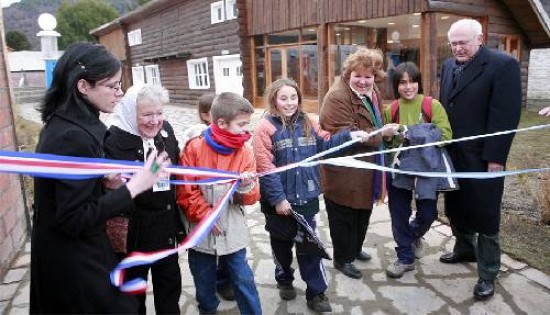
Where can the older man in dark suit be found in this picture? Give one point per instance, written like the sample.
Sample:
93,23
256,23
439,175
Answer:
481,91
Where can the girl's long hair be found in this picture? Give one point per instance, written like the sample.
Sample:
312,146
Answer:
271,100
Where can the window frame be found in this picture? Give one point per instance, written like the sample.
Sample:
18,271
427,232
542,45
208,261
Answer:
134,37
192,75
215,9
152,75
139,69
231,11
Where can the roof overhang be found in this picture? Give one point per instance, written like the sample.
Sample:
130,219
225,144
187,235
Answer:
533,20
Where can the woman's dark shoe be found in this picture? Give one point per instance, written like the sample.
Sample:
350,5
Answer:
453,258
349,270
484,289
364,256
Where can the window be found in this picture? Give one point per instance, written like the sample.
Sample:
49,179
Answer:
134,37
397,36
223,10
217,12
225,72
231,11
197,71
152,74
509,44
138,76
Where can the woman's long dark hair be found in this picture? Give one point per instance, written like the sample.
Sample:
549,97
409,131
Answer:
90,62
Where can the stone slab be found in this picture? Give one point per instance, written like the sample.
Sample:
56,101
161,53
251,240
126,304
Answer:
529,297
430,265
7,291
495,305
444,229
456,289
15,275
537,276
353,289
512,263
413,299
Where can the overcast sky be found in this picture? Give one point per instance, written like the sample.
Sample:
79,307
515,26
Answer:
6,3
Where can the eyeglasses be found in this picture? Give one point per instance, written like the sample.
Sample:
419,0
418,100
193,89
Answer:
115,87
460,43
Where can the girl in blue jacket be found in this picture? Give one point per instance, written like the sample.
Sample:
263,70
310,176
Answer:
287,135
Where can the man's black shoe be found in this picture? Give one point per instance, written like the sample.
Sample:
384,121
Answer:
484,289
364,256
349,270
453,258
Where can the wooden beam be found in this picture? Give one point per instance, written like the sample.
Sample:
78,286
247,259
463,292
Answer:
452,7
323,58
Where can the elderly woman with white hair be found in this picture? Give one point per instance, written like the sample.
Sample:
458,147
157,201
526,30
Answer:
139,130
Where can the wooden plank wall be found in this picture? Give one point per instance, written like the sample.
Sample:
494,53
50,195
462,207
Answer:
269,16
183,28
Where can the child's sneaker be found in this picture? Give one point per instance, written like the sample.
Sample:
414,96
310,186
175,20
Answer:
319,304
418,247
286,291
397,269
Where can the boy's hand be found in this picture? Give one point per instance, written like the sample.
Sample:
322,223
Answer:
247,178
216,230
360,134
283,208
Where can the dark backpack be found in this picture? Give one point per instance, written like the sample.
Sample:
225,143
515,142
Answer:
426,110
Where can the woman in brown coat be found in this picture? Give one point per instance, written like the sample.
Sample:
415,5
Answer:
352,103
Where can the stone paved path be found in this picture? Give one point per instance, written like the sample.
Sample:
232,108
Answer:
432,288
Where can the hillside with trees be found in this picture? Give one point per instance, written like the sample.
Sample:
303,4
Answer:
23,16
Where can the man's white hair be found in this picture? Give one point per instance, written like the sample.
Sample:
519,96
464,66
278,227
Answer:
473,25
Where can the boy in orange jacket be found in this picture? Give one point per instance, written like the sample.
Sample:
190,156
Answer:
222,147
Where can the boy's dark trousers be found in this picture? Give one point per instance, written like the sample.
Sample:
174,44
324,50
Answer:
404,230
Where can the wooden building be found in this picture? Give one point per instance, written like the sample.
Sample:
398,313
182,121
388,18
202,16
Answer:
196,46
190,47
308,40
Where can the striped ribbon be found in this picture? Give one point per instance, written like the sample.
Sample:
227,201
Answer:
68,167
138,285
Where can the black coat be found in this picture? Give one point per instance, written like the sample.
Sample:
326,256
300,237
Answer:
155,222
486,99
71,255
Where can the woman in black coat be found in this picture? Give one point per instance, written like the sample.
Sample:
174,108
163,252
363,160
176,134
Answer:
71,256
139,130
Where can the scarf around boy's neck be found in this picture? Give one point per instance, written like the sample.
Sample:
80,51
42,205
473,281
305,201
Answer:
223,141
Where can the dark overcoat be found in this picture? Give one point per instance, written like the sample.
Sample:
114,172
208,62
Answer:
155,223
71,256
486,99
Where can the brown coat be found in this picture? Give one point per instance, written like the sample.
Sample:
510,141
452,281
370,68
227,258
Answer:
342,109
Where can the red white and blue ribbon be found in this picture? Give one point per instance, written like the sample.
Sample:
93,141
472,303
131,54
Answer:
138,285
78,168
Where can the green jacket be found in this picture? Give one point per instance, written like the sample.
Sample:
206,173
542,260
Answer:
410,114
